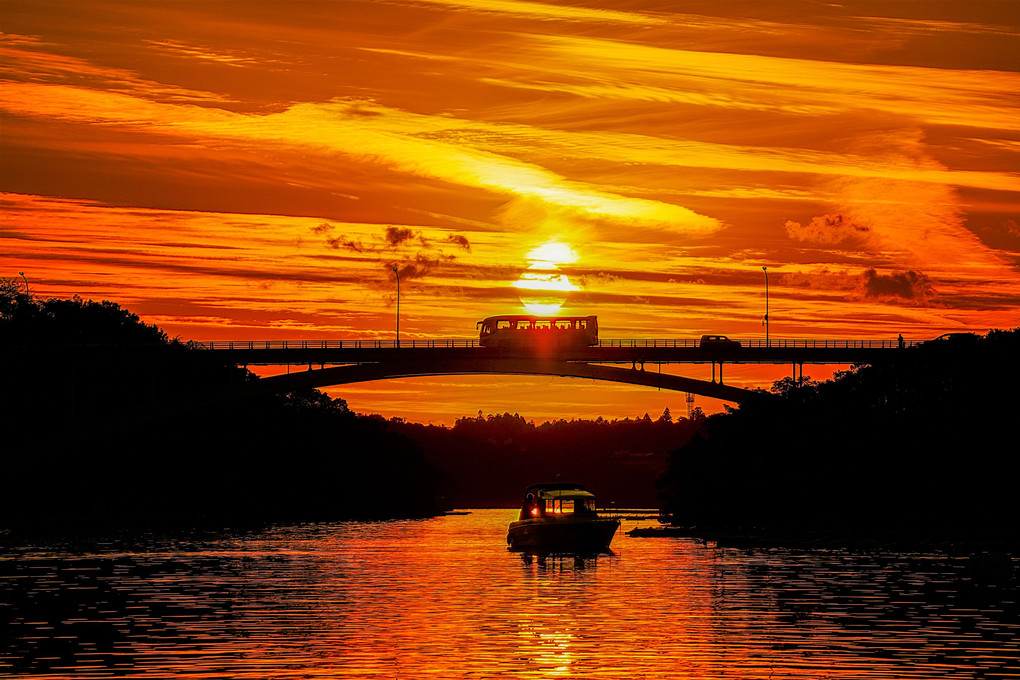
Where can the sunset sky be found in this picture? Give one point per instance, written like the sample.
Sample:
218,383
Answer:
254,170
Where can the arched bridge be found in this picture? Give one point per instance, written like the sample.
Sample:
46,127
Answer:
334,362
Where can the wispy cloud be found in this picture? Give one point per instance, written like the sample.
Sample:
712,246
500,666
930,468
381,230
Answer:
26,59
799,86
356,129
549,11
201,53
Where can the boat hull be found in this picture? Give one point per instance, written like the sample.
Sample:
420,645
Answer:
562,535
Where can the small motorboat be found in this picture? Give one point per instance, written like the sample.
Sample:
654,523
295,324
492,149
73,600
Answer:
560,517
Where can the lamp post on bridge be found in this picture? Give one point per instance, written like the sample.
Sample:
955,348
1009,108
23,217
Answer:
766,319
397,274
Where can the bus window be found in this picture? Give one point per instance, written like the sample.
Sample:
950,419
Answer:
503,332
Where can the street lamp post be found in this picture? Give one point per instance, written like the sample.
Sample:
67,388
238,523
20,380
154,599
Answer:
397,274
22,274
766,319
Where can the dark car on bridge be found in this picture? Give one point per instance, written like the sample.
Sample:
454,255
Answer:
717,342
956,337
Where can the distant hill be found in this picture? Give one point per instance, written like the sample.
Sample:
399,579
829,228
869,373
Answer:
924,442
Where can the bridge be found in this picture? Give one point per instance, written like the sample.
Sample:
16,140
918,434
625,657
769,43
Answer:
337,362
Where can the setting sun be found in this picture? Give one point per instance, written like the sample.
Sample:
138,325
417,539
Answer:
543,287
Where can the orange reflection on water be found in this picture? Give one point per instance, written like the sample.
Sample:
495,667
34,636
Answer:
443,598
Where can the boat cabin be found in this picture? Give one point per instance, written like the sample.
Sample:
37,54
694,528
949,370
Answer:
560,517
557,500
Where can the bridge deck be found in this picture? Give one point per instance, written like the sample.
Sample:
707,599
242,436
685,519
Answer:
624,351
345,361
683,343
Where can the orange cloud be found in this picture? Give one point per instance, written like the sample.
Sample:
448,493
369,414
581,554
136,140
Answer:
910,286
547,11
827,229
358,129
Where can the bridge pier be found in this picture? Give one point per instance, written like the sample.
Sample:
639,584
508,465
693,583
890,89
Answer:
720,371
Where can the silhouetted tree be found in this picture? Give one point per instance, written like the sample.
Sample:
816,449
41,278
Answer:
95,434
880,447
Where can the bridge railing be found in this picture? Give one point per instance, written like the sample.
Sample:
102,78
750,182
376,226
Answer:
658,342
830,344
777,343
334,344
691,343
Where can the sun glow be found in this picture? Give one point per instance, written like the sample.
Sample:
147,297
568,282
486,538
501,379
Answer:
553,253
543,287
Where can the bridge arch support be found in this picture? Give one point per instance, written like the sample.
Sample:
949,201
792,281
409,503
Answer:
366,372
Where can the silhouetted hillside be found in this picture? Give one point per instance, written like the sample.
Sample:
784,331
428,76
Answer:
92,436
922,443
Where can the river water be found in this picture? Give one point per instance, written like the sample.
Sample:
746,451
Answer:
442,598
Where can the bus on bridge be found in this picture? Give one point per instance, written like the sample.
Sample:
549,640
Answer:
538,332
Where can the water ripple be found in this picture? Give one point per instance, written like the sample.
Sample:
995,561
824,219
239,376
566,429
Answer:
443,598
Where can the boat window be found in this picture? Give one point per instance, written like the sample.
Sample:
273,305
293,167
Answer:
503,324
558,506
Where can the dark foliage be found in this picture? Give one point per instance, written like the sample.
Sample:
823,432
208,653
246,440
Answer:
25,321
488,461
101,428
922,443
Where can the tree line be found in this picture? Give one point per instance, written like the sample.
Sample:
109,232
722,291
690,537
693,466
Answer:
488,461
89,439
922,443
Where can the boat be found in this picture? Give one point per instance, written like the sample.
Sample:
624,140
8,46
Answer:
560,517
